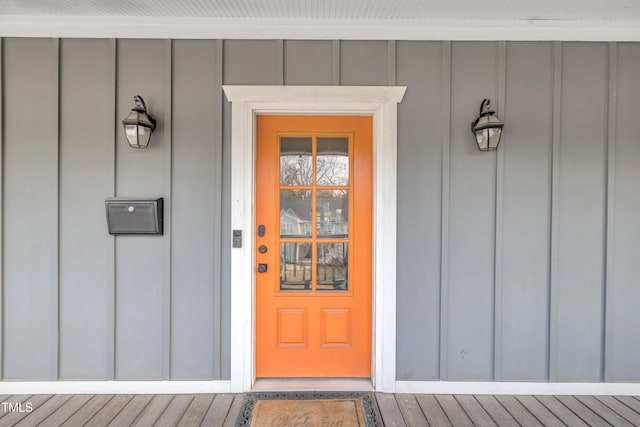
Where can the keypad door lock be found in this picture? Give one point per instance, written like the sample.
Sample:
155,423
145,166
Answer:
237,238
262,268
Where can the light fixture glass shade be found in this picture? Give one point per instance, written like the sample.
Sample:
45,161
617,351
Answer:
487,128
139,125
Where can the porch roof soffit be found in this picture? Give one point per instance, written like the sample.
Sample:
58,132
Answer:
597,20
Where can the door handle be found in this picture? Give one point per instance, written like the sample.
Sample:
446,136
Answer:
262,268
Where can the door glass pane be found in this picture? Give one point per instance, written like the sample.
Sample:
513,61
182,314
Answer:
332,265
295,213
332,162
296,166
332,213
295,266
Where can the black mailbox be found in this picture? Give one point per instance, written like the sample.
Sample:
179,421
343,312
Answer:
134,216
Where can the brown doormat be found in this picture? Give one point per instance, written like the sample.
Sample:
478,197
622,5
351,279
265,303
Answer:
315,409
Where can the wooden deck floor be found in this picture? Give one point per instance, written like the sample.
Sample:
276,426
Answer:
221,410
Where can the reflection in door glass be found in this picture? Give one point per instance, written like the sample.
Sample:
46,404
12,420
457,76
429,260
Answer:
332,213
296,166
295,213
295,266
332,161
333,267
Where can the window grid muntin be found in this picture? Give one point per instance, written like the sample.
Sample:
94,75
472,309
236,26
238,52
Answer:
314,239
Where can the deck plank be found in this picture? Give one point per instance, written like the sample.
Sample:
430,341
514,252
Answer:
561,411
175,411
219,410
197,410
432,410
517,411
15,398
545,416
66,410
631,402
454,411
109,411
153,410
474,410
496,411
88,410
234,411
586,414
604,411
37,400
620,408
411,411
43,411
132,411
398,410
616,403
389,410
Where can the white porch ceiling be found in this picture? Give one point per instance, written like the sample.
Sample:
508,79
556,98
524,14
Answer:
568,10
513,19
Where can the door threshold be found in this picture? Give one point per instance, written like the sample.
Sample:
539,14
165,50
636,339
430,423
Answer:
312,384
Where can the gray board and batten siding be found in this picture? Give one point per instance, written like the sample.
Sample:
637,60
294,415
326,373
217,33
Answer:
519,264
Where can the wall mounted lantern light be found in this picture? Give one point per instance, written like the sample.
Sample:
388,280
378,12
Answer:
139,124
487,128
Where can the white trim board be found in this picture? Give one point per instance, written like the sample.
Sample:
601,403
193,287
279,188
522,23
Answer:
377,101
224,386
114,387
516,388
314,29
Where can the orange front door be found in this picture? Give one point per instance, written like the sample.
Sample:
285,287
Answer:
313,246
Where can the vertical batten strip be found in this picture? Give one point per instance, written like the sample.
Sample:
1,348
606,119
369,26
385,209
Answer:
391,62
217,214
335,63
55,325
555,212
111,303
445,125
167,132
608,288
280,62
1,208
499,225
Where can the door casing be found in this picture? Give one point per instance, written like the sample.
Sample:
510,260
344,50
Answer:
380,102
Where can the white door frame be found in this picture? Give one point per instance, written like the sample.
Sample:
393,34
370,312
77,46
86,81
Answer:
380,102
